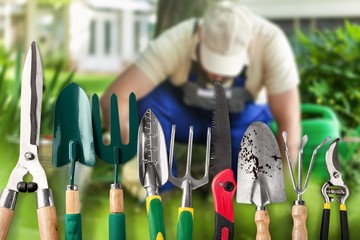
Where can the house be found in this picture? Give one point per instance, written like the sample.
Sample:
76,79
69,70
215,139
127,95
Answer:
106,35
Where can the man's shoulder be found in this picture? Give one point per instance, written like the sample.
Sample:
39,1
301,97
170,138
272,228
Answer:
263,27
182,29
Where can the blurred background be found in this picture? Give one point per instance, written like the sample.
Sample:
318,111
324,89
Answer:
91,41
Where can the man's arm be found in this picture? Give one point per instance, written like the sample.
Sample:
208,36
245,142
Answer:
285,108
131,80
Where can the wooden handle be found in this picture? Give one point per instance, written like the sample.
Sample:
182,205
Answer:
5,220
72,202
299,214
262,221
48,226
116,201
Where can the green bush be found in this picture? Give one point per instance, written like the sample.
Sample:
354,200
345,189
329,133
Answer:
329,65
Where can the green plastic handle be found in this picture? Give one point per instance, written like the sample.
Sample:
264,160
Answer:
73,227
117,226
185,223
155,218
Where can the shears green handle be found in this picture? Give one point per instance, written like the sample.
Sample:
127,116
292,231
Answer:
117,226
73,226
185,223
155,218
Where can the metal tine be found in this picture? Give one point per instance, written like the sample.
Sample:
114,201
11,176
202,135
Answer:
301,189
312,161
195,183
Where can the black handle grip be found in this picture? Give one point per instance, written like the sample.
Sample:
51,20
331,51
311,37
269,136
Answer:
224,229
344,225
324,234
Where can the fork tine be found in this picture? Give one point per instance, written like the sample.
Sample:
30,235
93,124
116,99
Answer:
114,122
171,150
189,152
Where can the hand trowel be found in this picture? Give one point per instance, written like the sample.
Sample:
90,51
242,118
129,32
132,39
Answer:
73,142
260,175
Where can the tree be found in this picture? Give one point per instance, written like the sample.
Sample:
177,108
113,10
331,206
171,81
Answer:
170,12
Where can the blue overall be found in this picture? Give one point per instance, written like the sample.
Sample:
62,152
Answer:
166,101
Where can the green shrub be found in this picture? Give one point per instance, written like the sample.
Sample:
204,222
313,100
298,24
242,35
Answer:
329,65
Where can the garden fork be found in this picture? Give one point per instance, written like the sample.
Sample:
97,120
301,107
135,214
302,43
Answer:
299,210
187,183
115,153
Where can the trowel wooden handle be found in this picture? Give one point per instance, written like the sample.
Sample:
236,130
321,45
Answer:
299,214
262,221
5,220
72,202
48,226
116,201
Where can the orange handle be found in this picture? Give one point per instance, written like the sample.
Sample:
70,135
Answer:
299,214
48,226
262,221
5,220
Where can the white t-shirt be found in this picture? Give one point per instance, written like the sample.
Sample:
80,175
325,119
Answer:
271,66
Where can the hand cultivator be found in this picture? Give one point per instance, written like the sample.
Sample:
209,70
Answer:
187,183
299,210
115,153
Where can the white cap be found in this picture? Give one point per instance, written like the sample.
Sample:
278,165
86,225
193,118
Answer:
225,36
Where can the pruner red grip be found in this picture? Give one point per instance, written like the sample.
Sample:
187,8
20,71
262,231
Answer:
223,189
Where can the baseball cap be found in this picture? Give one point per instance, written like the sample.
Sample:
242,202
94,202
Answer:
225,36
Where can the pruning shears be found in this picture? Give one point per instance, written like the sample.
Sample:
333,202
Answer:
31,96
334,189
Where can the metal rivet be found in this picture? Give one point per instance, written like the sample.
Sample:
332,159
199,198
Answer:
336,174
29,156
220,184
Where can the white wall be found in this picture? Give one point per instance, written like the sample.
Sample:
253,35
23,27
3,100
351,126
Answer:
278,9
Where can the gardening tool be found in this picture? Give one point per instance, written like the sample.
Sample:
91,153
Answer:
260,174
187,184
153,170
31,96
334,189
223,184
115,153
299,210
73,142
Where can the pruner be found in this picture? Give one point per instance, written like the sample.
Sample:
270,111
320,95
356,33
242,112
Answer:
334,189
31,96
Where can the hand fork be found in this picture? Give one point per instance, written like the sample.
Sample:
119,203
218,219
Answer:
187,183
115,153
299,210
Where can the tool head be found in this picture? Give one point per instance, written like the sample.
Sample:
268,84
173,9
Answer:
333,164
73,136
31,99
152,150
260,175
195,183
221,139
108,152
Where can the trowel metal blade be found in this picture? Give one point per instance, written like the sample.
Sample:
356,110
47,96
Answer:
260,175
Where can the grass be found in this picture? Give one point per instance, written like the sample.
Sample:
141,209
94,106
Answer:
95,208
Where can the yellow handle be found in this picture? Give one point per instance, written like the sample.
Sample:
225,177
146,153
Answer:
48,226
262,221
5,220
116,201
72,202
299,214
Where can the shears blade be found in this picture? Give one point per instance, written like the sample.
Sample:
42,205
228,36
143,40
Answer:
31,98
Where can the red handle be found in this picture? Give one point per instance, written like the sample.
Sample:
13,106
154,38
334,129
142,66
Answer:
223,189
